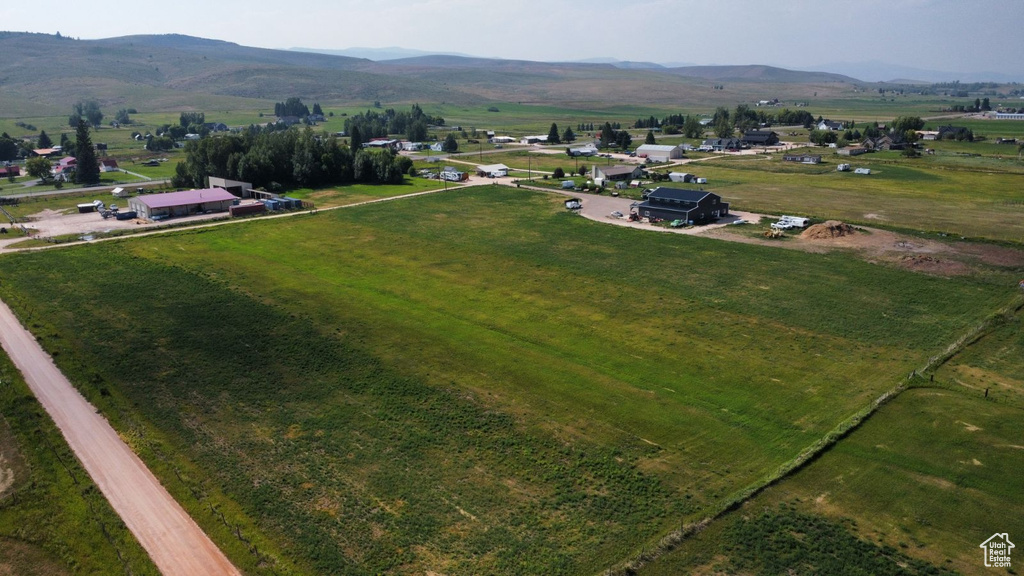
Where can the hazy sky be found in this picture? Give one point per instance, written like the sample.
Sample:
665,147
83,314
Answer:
954,35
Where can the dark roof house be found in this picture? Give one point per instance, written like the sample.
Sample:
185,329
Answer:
719,144
760,138
680,204
803,158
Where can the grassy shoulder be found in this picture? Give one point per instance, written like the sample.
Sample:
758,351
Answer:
53,519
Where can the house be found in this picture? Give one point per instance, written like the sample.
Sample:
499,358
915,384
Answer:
47,151
182,203
9,171
316,118
236,187
928,134
760,138
533,139
952,132
492,170
803,158
616,172
412,146
216,126
289,120
720,144
852,151
108,165
680,204
829,125
886,142
659,152
683,177
437,147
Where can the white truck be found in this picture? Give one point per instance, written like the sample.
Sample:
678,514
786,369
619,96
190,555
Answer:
843,168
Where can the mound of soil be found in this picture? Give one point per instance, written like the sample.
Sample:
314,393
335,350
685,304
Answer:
932,265
827,229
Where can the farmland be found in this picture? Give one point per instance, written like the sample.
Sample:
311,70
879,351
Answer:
476,381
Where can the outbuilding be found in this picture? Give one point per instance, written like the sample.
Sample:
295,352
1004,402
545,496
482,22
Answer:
760,138
182,203
803,158
492,170
659,152
697,206
617,172
236,187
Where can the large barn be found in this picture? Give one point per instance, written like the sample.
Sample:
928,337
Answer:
697,206
659,152
182,203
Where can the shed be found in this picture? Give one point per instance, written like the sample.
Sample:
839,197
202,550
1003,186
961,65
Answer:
659,152
617,172
236,187
492,170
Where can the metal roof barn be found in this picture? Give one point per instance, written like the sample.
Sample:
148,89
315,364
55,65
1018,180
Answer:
182,203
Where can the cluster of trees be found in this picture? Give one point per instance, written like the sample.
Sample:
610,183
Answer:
291,107
123,116
610,136
88,110
10,148
271,159
413,124
554,137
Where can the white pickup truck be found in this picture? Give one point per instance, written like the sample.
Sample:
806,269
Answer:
788,222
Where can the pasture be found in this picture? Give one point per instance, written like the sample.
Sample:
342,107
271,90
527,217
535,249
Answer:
474,381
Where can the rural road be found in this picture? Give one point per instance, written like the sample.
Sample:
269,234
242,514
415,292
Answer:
175,543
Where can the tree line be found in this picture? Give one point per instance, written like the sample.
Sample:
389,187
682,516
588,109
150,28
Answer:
413,124
273,159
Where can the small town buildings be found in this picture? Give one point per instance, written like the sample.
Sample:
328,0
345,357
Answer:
683,177
437,147
182,203
696,206
47,151
585,150
501,139
412,146
289,120
885,142
615,173
928,134
659,152
803,158
492,170
8,171
235,187
383,143
1009,115
721,144
760,138
852,151
215,126
952,132
108,165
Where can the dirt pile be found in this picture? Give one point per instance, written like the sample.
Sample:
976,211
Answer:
827,229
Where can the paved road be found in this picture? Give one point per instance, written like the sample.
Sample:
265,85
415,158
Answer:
177,545
97,189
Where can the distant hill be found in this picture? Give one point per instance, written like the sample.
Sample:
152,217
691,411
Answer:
378,54
759,73
44,75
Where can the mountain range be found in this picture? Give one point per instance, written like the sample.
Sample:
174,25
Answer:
43,74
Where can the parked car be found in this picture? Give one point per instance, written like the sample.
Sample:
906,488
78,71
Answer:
616,214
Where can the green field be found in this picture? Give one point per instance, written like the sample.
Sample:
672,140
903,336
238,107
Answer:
476,381
977,197
53,519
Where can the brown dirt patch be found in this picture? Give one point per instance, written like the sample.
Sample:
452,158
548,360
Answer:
993,255
828,229
932,265
22,559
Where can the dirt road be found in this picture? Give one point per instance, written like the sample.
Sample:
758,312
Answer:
173,540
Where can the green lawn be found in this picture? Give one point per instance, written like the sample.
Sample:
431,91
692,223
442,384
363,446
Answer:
53,519
476,381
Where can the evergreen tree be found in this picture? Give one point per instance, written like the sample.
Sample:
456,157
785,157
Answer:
450,143
553,137
568,136
87,168
44,140
317,109
650,137
355,139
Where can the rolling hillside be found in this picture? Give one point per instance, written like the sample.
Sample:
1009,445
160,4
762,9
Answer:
43,75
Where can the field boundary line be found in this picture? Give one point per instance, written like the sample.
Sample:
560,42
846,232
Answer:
676,537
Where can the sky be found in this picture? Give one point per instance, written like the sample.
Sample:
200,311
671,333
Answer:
946,35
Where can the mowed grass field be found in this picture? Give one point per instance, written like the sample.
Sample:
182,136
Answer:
475,381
